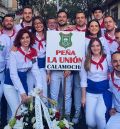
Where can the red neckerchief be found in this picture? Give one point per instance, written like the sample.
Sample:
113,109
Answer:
40,42
66,29
102,24
108,38
113,81
30,55
99,64
82,30
89,37
2,32
27,27
118,49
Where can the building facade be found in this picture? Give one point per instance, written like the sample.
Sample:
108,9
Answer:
113,9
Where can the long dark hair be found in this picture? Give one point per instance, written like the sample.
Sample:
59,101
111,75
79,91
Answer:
87,34
42,21
19,35
87,63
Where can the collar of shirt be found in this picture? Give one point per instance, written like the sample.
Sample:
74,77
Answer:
116,77
26,52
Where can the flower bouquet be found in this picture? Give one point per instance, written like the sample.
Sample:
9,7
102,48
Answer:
36,115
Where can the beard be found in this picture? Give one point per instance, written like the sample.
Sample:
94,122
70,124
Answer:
8,27
63,24
27,21
118,69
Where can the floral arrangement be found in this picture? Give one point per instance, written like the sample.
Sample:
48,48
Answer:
25,116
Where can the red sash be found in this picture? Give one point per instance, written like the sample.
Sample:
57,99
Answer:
40,45
30,55
99,64
113,81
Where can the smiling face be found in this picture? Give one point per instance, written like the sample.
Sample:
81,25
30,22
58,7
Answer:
62,19
39,27
25,40
94,28
116,62
8,23
96,48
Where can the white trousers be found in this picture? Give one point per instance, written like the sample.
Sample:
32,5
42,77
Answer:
12,97
57,78
95,111
114,122
1,84
77,91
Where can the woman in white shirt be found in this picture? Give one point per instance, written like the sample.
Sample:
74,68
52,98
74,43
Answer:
20,63
94,31
39,31
95,84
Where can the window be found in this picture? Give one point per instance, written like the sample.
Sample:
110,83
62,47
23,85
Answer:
114,13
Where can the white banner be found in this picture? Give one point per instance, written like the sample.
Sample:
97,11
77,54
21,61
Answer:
38,113
47,116
65,50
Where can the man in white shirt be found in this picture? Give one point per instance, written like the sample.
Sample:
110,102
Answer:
110,26
114,121
98,14
115,46
27,19
8,28
51,23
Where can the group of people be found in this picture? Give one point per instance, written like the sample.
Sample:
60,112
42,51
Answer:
96,87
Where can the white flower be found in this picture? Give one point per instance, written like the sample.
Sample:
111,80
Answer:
33,120
55,124
26,123
66,123
35,92
7,127
34,125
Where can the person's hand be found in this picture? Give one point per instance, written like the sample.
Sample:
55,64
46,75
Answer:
67,73
112,111
48,78
83,101
14,48
24,98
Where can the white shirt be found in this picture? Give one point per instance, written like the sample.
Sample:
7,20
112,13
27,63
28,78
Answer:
18,27
4,50
12,37
116,93
42,51
17,63
113,47
104,44
95,74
